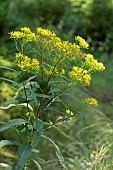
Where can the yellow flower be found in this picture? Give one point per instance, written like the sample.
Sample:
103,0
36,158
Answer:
94,152
82,42
85,161
91,101
69,112
29,113
62,72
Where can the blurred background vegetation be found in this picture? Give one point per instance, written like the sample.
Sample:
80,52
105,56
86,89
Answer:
92,134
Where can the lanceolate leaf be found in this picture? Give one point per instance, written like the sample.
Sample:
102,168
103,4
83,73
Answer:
7,142
34,96
8,68
8,168
61,132
54,90
44,95
58,152
17,100
24,152
11,101
38,126
10,81
31,78
10,123
13,105
33,84
54,109
38,165
5,166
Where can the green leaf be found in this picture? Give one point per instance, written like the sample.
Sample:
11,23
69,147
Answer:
10,123
8,168
54,90
35,151
8,68
38,126
31,78
10,81
7,142
44,95
13,105
63,102
34,96
5,166
12,87
24,152
64,119
61,132
54,109
56,128
33,84
14,100
58,152
38,165
11,101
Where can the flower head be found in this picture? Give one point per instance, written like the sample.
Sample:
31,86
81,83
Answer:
80,76
93,64
16,34
82,42
27,64
45,32
91,101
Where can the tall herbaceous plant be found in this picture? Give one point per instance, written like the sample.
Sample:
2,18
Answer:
47,67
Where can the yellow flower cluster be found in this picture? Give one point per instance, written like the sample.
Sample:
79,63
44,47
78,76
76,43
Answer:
91,101
25,29
24,33
93,64
16,34
82,43
45,32
27,64
58,53
80,76
67,49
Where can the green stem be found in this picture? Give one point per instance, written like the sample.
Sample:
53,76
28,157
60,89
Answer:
53,71
50,100
38,110
25,94
41,55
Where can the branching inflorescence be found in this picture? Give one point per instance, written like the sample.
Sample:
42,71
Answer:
48,69
55,60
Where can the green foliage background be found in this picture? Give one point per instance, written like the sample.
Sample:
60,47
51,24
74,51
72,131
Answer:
91,19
